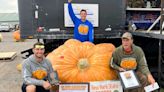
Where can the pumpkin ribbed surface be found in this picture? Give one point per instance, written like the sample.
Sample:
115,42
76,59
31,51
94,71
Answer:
83,62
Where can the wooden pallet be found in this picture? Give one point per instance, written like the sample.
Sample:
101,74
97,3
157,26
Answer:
7,55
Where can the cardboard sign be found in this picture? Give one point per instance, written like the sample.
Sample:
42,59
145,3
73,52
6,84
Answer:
78,87
106,86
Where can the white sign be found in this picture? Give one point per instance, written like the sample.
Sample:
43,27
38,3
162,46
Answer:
92,13
129,79
74,87
151,87
106,86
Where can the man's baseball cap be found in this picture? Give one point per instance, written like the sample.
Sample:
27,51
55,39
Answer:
127,35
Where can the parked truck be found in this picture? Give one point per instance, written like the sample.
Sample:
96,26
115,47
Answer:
45,19
4,27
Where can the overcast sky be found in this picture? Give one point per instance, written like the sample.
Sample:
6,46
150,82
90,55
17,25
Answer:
8,6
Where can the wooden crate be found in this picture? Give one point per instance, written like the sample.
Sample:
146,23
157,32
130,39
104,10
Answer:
7,55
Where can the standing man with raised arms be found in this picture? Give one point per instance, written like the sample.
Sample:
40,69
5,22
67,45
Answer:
83,29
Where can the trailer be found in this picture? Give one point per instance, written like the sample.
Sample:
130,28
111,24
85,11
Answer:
42,19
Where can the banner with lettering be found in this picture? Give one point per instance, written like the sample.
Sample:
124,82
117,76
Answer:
106,86
78,87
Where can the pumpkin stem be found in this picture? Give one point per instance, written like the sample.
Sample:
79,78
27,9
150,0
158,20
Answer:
83,63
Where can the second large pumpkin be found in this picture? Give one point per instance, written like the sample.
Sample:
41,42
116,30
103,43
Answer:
16,35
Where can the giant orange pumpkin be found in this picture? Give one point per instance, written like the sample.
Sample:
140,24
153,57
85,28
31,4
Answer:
83,62
16,35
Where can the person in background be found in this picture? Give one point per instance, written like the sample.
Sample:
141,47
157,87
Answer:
37,71
134,56
83,29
